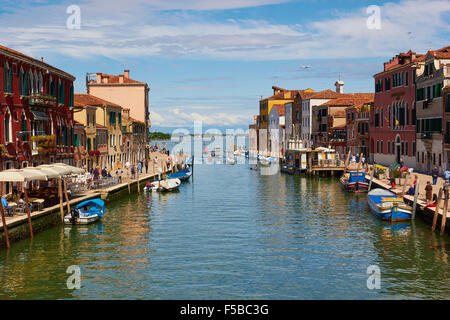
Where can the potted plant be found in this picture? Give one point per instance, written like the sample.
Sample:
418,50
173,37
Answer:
380,173
397,175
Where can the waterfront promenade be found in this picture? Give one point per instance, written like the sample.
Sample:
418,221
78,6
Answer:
44,219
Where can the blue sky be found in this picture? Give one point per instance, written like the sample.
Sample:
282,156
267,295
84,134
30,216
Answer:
212,60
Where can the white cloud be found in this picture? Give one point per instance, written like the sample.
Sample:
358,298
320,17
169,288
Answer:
142,33
185,116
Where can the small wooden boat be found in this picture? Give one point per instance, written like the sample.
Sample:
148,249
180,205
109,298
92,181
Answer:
163,186
387,206
231,161
287,168
355,182
183,175
265,161
86,212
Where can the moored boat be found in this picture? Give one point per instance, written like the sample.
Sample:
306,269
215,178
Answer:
265,161
86,212
355,182
231,161
163,185
388,206
183,175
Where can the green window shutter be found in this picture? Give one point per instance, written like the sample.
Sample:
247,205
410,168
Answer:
89,144
63,87
71,96
10,80
20,82
25,83
5,78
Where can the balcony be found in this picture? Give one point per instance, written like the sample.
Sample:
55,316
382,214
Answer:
42,101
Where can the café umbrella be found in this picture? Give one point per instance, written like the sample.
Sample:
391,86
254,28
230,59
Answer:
16,175
63,170
75,170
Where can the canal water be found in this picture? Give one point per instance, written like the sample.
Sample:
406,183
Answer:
232,233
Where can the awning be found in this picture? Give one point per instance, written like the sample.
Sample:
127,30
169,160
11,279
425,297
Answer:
39,115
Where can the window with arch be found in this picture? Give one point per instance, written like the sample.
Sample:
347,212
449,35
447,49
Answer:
7,78
8,127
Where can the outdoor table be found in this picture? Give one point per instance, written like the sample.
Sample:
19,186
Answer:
11,208
38,204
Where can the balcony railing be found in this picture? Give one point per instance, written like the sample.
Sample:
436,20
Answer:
41,100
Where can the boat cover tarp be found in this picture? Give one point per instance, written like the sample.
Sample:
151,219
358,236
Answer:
179,174
94,203
357,176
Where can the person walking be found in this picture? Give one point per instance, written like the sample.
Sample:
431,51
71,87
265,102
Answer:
96,173
146,165
429,192
435,174
140,166
132,172
447,175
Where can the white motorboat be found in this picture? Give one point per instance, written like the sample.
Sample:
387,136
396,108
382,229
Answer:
87,212
163,185
231,161
265,161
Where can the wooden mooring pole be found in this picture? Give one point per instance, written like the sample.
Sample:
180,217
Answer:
436,211
416,196
61,206
67,196
28,212
371,177
5,227
444,212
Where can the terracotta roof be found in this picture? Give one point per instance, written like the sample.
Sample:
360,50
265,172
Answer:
280,109
326,94
112,79
347,102
84,99
44,64
280,96
135,120
443,53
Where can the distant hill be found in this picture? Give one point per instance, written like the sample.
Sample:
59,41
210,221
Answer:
159,135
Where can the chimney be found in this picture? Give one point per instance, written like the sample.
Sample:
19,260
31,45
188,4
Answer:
99,77
106,79
42,59
339,86
126,73
121,78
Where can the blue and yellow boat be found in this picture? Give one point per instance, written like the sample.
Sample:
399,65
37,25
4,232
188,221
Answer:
388,206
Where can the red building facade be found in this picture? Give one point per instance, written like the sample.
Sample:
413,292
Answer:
392,125
36,118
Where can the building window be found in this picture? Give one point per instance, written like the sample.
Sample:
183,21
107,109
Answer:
389,146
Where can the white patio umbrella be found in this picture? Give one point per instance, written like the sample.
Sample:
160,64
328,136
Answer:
62,170
75,170
15,175
51,174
